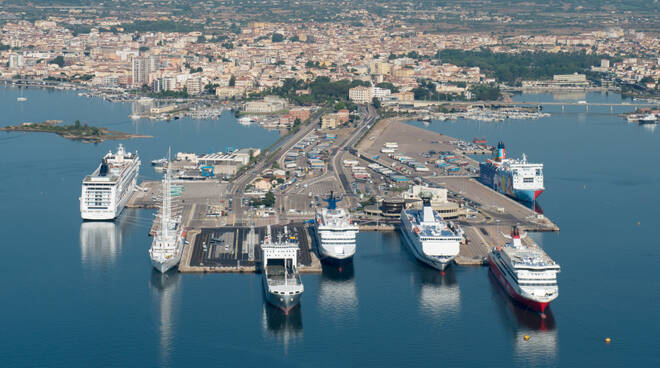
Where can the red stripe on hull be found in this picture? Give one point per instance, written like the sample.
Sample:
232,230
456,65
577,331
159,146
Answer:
532,304
537,193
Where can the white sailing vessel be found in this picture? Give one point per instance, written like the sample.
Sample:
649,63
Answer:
167,246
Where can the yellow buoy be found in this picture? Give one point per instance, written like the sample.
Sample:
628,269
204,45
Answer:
608,340
638,223
526,337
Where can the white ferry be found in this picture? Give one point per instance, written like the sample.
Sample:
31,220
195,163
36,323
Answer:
432,240
280,277
106,191
527,274
335,234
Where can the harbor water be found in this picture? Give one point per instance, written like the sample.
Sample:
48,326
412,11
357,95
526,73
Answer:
84,294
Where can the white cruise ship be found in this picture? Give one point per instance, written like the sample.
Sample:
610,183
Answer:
335,234
431,239
167,247
527,274
105,191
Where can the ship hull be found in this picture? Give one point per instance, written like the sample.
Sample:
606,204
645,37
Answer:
441,266
334,253
502,182
415,248
535,305
111,214
167,264
526,195
283,302
336,262
107,215
100,216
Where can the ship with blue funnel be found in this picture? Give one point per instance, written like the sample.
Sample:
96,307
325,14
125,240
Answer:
335,233
516,178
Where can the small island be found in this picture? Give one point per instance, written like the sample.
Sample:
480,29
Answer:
75,131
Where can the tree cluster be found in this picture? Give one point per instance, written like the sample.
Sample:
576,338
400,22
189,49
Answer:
267,201
321,90
514,68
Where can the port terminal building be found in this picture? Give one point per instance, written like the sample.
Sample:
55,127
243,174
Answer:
392,207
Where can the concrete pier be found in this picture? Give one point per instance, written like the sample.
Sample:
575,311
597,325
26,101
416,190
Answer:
481,240
238,249
145,195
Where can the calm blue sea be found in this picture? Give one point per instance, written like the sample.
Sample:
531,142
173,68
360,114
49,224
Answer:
83,294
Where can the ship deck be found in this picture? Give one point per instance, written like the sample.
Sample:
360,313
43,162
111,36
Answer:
277,276
521,257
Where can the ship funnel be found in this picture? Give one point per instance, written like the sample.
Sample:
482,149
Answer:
332,201
501,152
515,237
120,153
515,233
267,239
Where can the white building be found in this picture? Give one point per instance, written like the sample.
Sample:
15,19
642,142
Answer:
164,84
111,81
140,71
360,94
380,93
239,157
154,63
169,84
438,195
268,105
194,86
16,61
439,200
569,78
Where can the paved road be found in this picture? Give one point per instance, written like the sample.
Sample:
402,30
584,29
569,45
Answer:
239,184
334,178
335,166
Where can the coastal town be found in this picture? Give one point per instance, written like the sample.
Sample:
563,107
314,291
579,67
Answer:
261,56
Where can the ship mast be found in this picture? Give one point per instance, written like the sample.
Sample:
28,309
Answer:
167,202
